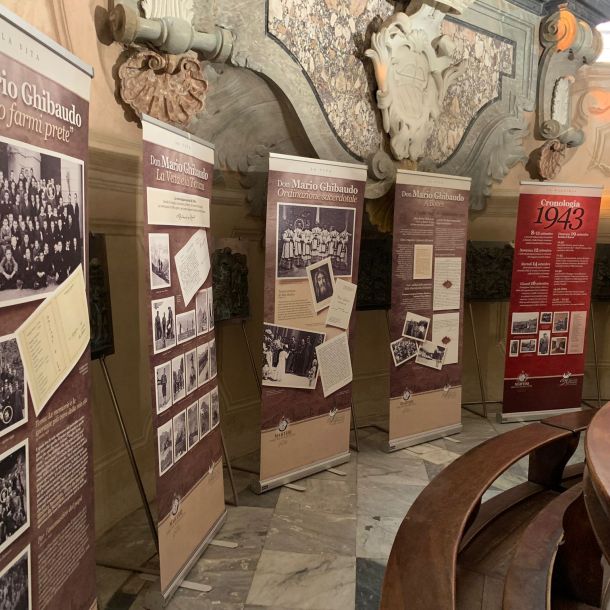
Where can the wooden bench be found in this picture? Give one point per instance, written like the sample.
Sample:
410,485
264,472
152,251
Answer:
421,570
529,577
597,489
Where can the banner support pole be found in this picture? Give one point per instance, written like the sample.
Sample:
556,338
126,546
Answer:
258,384
229,469
478,361
595,358
130,453
252,363
222,438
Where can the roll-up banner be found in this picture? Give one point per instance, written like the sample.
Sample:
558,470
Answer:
550,299
426,319
47,537
314,219
178,170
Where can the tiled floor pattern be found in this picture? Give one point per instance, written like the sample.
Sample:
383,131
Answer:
322,549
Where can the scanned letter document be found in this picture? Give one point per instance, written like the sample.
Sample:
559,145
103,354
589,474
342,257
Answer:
54,337
193,265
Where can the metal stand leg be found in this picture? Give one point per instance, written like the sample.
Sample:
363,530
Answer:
479,371
229,469
222,438
596,359
132,457
252,362
353,410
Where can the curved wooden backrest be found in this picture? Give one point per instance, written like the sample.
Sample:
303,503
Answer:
421,570
597,478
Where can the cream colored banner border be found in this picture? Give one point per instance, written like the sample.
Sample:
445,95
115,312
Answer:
317,167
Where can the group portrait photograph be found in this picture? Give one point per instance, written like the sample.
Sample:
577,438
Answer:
307,234
41,221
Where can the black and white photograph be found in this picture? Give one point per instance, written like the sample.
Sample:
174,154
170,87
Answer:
185,326
41,221
204,415
514,348
307,234
203,364
546,318
190,360
178,379
321,284
544,342
431,355
289,357
13,394
158,252
560,322
163,380
201,312
165,440
164,324
211,308
528,346
558,346
416,326
215,407
213,364
14,494
192,423
525,323
16,583
180,439
403,350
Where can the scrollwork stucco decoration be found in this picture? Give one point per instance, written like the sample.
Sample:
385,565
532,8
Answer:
171,88
569,44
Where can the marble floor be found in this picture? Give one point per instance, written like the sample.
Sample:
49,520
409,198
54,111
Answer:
321,549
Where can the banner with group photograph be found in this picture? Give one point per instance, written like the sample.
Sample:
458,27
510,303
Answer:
550,298
426,319
178,170
47,533
314,219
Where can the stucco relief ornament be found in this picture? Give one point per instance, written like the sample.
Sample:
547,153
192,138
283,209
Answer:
414,69
170,88
157,9
560,109
549,159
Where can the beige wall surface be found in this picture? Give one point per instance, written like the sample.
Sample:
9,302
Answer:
115,201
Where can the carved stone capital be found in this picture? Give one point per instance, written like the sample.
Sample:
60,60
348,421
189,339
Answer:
171,88
569,43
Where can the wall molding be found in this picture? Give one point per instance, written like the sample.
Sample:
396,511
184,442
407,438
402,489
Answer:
592,11
142,440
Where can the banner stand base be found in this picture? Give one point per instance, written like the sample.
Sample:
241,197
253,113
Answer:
260,487
511,418
422,437
155,600
295,487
